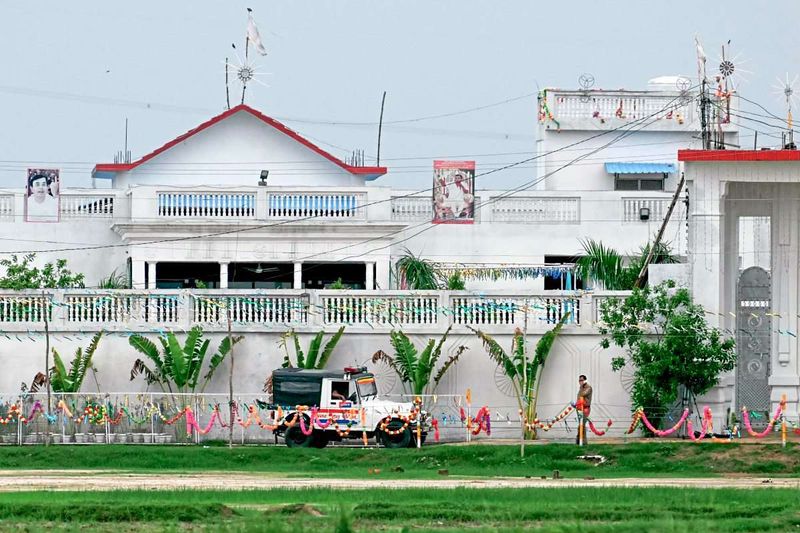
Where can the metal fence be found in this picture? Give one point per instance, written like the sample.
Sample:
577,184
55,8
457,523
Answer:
158,418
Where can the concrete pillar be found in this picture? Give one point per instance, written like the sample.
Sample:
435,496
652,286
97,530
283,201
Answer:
784,378
223,275
298,276
137,274
370,278
151,274
706,258
382,274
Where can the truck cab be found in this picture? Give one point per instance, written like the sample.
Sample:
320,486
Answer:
320,406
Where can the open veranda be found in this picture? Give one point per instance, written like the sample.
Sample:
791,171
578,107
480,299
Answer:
652,485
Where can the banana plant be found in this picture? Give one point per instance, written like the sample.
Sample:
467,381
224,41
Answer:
312,358
69,381
418,370
177,369
523,371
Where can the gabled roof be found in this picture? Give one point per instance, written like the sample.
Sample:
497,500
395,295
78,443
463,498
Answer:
728,156
107,170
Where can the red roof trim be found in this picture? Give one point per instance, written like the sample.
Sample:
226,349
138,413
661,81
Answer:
122,167
728,156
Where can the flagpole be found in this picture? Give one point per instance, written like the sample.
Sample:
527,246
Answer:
227,86
246,50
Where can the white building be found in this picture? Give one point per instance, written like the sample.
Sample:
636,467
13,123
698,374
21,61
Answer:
197,213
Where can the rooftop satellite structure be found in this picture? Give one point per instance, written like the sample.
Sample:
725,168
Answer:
244,69
586,82
788,94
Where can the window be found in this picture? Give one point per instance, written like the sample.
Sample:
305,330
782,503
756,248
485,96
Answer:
637,184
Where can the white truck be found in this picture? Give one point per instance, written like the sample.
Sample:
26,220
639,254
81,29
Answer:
320,406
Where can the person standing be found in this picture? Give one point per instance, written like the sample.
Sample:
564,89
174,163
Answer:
583,405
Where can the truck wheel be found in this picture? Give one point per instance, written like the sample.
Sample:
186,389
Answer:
320,439
295,439
401,440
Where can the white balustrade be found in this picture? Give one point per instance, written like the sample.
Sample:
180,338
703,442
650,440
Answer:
374,310
327,205
412,208
211,204
657,207
496,311
24,308
86,206
7,207
621,105
111,308
159,310
251,309
532,209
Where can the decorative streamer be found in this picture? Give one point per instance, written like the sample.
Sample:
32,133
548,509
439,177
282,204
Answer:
665,432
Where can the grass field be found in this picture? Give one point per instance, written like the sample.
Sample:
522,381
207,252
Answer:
586,510
623,460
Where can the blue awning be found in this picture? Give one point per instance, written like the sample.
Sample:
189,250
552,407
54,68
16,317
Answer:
641,168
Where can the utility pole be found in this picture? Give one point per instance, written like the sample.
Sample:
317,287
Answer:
663,227
526,399
46,306
380,128
230,381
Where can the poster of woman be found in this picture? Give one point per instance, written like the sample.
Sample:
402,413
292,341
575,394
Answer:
42,195
453,192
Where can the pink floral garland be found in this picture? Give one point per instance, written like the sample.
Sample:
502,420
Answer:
598,432
706,427
191,422
770,425
665,432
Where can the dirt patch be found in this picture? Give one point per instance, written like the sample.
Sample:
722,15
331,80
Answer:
11,481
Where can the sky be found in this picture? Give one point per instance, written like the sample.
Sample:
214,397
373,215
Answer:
74,71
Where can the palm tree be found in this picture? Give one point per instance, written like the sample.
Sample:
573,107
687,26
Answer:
416,369
177,368
312,357
64,381
523,371
605,266
416,273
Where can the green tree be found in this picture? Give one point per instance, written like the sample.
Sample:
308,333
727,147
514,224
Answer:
312,358
669,343
416,369
418,274
606,266
176,369
20,273
523,369
69,381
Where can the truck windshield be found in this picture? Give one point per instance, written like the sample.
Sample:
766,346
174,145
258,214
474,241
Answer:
366,386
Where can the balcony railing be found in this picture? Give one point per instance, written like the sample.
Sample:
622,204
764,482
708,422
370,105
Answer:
532,209
592,109
656,208
253,310
203,204
7,207
331,205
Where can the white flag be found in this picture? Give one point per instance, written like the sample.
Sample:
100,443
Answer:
253,36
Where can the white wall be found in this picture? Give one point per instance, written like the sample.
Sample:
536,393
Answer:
574,353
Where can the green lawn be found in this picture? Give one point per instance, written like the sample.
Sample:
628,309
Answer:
624,460
584,509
